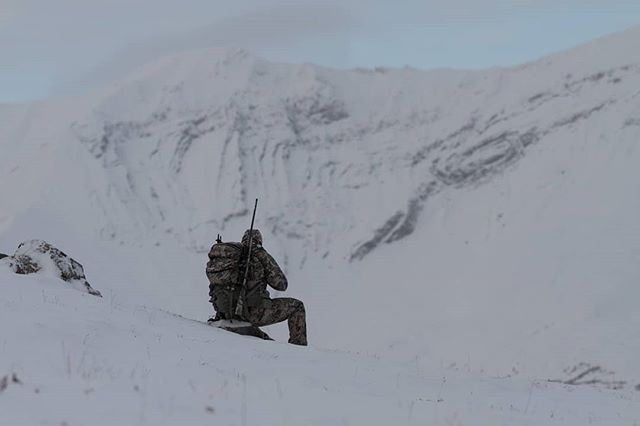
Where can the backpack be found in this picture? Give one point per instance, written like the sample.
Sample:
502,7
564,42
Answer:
225,270
225,277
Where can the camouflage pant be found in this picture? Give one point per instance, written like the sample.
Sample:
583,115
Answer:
278,310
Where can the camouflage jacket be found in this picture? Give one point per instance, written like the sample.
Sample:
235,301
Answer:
265,271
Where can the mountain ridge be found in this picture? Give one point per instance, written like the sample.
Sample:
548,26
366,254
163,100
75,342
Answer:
254,108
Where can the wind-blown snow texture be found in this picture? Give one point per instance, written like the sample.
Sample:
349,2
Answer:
481,222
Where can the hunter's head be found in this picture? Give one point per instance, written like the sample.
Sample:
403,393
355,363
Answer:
257,238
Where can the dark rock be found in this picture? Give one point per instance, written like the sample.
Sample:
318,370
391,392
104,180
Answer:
39,256
380,234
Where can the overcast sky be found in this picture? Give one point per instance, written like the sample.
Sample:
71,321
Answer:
63,47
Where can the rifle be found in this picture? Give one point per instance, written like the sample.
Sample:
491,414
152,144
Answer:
243,289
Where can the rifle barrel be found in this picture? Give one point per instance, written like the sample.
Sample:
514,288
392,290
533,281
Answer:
240,303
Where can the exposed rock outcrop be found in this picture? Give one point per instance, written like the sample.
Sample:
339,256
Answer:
37,256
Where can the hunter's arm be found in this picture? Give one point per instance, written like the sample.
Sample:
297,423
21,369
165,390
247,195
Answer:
272,272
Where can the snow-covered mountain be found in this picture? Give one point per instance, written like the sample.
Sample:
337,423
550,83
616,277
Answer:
343,161
483,221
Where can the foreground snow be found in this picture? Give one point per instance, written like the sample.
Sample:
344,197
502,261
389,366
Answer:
83,360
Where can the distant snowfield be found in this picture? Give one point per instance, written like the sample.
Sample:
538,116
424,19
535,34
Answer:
461,237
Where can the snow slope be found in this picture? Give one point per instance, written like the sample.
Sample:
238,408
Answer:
79,360
474,224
